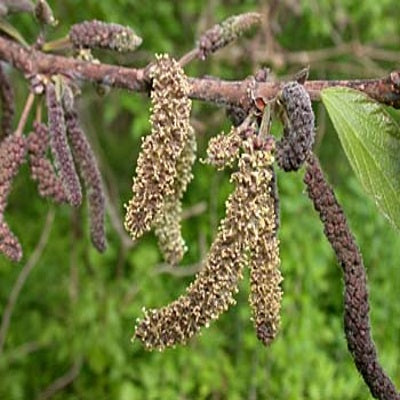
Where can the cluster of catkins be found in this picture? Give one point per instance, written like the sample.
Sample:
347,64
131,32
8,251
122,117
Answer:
247,236
164,166
57,178
59,154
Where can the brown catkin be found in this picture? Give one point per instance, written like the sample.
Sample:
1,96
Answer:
226,32
356,306
156,169
60,147
98,34
167,224
91,176
7,104
12,155
215,285
42,170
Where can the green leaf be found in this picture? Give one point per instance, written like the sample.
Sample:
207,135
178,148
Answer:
371,140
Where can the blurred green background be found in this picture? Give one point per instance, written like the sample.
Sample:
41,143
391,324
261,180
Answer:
70,331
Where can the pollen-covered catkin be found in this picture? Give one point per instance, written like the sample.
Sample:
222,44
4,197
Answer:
7,104
262,244
91,176
298,137
98,34
356,307
226,32
215,285
42,170
12,155
60,148
167,224
156,169
223,149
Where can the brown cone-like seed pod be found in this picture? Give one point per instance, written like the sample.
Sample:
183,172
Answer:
12,155
42,170
223,150
60,148
167,224
98,34
7,104
226,32
356,307
156,169
90,172
299,135
215,285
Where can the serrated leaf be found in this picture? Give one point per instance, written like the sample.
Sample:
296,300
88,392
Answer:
371,140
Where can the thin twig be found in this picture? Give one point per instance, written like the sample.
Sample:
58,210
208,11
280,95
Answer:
25,115
23,276
188,270
63,381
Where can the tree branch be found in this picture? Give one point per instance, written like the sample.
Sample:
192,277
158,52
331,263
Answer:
31,62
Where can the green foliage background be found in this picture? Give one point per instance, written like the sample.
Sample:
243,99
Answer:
78,305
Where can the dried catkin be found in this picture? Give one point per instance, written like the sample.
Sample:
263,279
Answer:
60,148
7,104
156,169
215,285
98,34
298,136
167,224
356,306
91,176
226,32
223,149
12,155
42,170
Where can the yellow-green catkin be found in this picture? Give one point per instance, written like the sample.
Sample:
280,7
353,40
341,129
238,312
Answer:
214,288
223,149
167,224
156,170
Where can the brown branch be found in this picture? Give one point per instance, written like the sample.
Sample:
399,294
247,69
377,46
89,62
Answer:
23,276
32,62
63,381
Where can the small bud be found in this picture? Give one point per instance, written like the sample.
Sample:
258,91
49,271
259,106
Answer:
44,13
90,172
7,104
299,135
60,148
97,34
222,34
42,170
156,170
